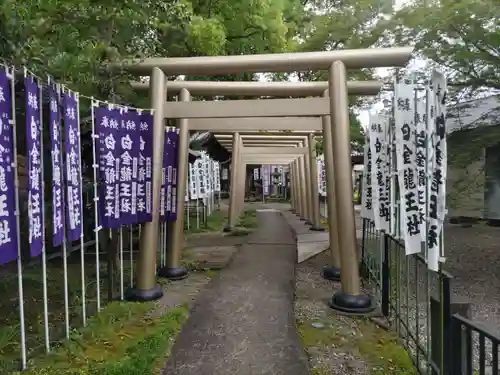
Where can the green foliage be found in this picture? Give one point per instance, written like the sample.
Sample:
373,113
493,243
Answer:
74,40
357,135
215,223
460,36
332,25
248,219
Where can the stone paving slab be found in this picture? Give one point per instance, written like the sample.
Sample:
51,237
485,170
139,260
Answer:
313,237
243,323
309,243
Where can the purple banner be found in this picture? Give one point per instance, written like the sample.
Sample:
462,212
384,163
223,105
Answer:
145,175
8,227
265,178
175,162
129,163
57,176
169,156
34,151
107,128
73,172
163,195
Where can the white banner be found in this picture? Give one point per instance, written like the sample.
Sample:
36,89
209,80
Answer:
318,174
321,176
192,177
281,170
436,146
206,175
421,118
200,178
264,173
256,173
367,194
406,158
217,176
210,174
379,136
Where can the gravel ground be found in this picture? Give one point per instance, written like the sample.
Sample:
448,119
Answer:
337,344
473,259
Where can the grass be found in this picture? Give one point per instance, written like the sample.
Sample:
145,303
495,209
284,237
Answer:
218,218
33,306
325,224
215,223
124,339
378,348
33,301
247,222
248,219
34,310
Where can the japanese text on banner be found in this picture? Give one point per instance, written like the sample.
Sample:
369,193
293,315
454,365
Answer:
107,122
200,178
436,156
264,172
57,173
406,154
175,158
8,227
217,176
166,191
379,146
34,150
73,172
145,174
193,185
420,140
207,175
129,165
367,194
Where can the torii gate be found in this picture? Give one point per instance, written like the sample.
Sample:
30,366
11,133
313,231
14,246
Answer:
333,109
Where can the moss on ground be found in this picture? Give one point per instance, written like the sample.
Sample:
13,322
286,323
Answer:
124,339
215,223
121,332
248,219
374,346
33,306
33,300
247,222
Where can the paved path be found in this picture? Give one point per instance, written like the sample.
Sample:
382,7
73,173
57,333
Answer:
243,323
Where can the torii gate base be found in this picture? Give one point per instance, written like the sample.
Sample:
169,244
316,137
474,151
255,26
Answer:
173,269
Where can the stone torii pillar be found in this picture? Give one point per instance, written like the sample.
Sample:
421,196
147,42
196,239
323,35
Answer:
232,214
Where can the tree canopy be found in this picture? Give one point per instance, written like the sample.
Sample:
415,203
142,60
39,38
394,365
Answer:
460,37
73,41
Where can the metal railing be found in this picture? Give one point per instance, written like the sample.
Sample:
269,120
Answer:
417,304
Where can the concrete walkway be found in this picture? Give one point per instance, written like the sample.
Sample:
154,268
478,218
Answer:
244,323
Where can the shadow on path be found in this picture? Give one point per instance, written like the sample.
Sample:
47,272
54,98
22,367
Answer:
243,323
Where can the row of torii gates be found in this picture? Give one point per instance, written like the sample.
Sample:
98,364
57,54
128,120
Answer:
279,130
